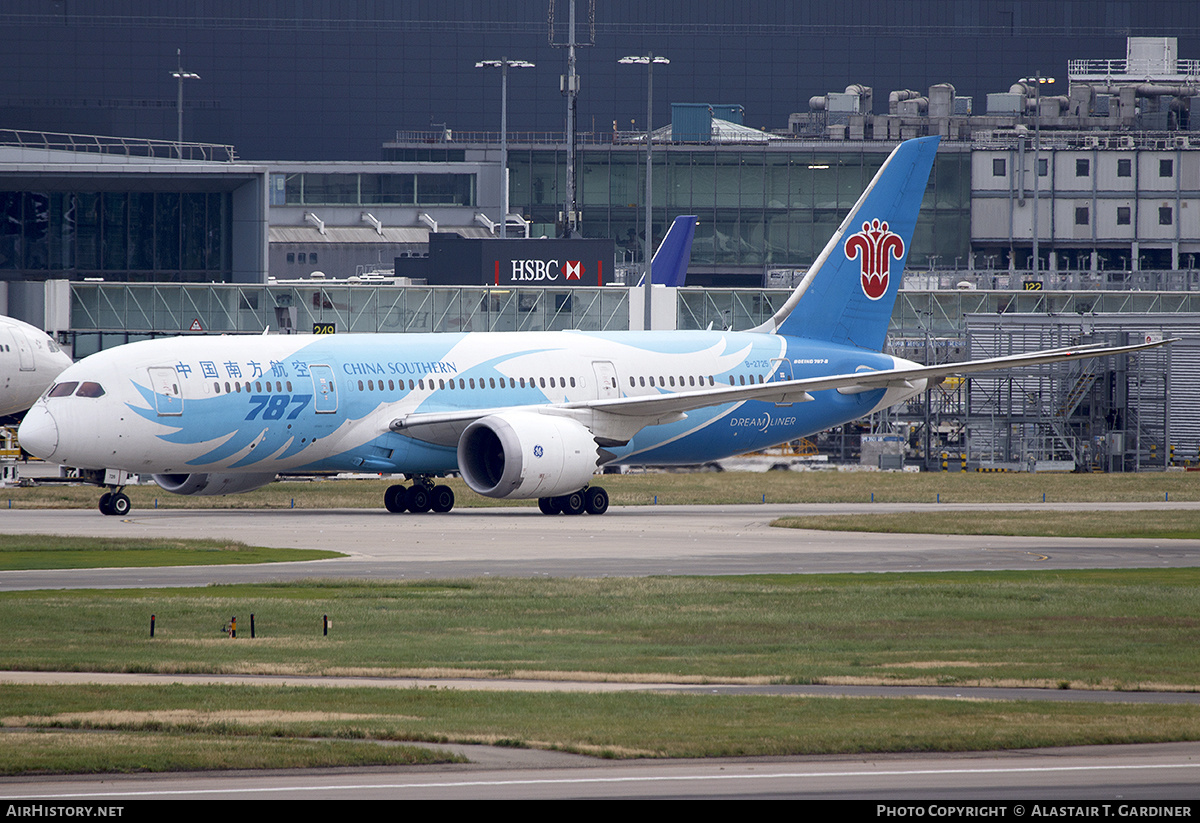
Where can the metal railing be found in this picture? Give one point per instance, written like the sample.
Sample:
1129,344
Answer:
608,138
1075,139
1057,280
726,309
536,138
121,146
233,308
230,308
1138,67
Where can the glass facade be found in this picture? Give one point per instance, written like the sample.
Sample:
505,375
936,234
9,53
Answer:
341,188
335,79
104,315
757,207
121,235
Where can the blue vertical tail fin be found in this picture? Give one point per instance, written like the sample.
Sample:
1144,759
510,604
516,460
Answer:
669,265
849,291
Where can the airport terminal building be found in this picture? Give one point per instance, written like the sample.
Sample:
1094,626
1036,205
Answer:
1109,172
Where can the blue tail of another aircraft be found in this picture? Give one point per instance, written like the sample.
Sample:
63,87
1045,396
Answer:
669,265
849,291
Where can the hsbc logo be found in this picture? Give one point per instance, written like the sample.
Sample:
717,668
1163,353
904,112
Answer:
533,271
875,247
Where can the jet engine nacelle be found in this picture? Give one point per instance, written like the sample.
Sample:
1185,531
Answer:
523,455
210,484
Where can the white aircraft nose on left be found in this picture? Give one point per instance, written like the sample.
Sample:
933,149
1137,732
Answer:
38,433
29,362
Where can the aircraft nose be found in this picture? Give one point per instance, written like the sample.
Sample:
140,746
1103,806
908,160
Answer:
38,433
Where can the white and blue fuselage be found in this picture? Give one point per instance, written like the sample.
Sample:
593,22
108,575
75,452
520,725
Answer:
274,404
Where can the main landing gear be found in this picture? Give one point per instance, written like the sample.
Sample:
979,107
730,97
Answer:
593,500
424,496
421,496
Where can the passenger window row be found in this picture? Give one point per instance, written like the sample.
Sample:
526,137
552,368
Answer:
462,383
690,381
260,386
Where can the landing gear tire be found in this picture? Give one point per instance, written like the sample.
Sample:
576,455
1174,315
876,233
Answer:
442,499
571,503
395,499
595,500
548,505
418,499
114,503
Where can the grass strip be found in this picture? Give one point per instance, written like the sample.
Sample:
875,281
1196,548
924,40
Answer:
690,488
1165,525
196,727
80,752
1101,629
58,552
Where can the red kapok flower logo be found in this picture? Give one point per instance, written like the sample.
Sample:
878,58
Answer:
875,247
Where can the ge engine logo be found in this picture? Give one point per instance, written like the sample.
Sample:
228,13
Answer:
537,451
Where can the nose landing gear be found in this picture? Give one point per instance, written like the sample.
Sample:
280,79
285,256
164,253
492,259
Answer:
115,503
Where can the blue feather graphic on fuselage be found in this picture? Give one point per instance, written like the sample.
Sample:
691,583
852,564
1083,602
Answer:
210,420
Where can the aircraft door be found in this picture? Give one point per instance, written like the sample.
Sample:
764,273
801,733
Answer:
324,389
168,399
606,379
24,349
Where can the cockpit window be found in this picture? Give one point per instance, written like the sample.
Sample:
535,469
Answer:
90,390
87,389
62,390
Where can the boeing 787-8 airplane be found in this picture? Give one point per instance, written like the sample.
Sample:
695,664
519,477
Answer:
520,415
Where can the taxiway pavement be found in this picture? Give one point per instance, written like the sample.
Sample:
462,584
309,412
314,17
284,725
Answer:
627,541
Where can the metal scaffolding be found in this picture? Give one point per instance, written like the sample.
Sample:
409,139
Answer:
1103,414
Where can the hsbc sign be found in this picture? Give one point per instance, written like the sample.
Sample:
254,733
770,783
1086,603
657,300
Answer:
537,271
548,262
517,262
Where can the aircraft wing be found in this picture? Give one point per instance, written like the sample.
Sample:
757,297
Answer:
618,419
